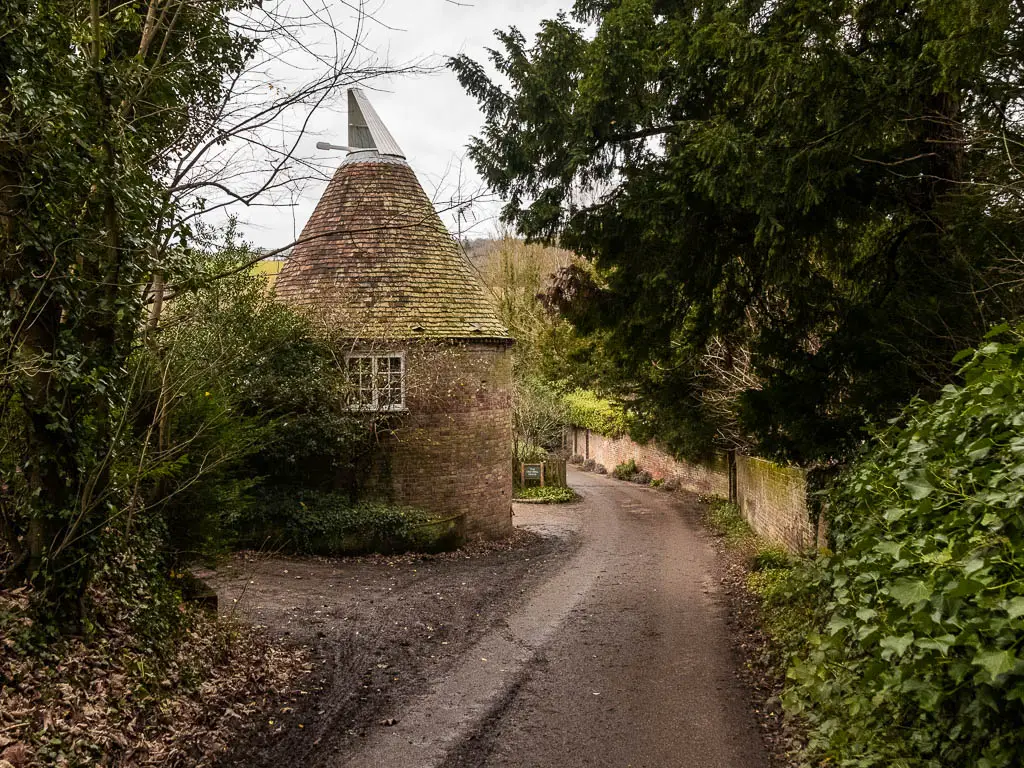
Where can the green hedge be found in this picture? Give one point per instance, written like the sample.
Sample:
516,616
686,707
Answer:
589,411
330,524
919,654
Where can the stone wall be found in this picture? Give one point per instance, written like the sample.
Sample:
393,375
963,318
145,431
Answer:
451,453
772,498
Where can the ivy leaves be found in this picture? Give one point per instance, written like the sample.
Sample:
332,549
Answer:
921,656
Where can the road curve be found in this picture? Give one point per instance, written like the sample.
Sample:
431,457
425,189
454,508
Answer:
623,658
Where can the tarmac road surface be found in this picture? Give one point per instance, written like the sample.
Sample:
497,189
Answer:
620,658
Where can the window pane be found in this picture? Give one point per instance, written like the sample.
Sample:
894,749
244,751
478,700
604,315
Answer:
361,379
391,389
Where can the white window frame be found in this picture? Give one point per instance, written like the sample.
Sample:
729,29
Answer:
375,357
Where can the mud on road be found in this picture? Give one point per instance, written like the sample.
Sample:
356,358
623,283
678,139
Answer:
379,629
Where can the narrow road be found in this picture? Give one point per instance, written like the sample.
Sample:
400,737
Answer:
623,658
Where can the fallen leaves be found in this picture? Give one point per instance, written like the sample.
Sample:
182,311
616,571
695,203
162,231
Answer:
107,702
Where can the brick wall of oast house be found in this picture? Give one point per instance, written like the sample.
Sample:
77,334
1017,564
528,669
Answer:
772,498
452,452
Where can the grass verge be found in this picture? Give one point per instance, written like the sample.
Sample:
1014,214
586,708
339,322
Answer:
760,578
549,494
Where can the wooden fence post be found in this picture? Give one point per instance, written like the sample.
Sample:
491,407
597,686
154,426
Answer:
733,490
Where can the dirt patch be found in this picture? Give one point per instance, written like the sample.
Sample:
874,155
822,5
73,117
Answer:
378,629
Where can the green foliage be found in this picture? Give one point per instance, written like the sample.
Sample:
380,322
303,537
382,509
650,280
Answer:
769,558
920,610
787,609
725,519
552,494
254,400
786,181
95,109
626,470
327,523
587,410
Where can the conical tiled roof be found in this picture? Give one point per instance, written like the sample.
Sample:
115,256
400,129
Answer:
376,256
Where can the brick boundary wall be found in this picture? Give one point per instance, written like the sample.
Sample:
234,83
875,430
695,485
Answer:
772,498
711,479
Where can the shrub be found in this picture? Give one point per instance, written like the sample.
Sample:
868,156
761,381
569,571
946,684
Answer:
917,658
576,459
625,470
589,465
770,557
530,454
641,478
587,410
552,494
325,523
600,469
256,402
657,482
671,484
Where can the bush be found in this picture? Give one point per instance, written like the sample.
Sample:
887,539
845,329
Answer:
769,558
324,523
920,611
530,454
642,478
625,470
589,465
257,406
552,494
600,469
585,409
671,484
576,459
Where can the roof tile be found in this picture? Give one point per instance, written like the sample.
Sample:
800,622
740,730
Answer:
376,255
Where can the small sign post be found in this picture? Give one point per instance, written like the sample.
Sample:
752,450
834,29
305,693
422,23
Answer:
533,472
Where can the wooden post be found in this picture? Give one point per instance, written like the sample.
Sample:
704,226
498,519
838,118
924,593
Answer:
522,474
731,469
543,465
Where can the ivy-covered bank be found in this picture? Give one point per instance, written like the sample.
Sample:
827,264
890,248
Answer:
917,657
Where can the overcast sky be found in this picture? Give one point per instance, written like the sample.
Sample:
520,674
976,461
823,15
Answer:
430,116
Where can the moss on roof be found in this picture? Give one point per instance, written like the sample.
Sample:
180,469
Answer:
376,257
